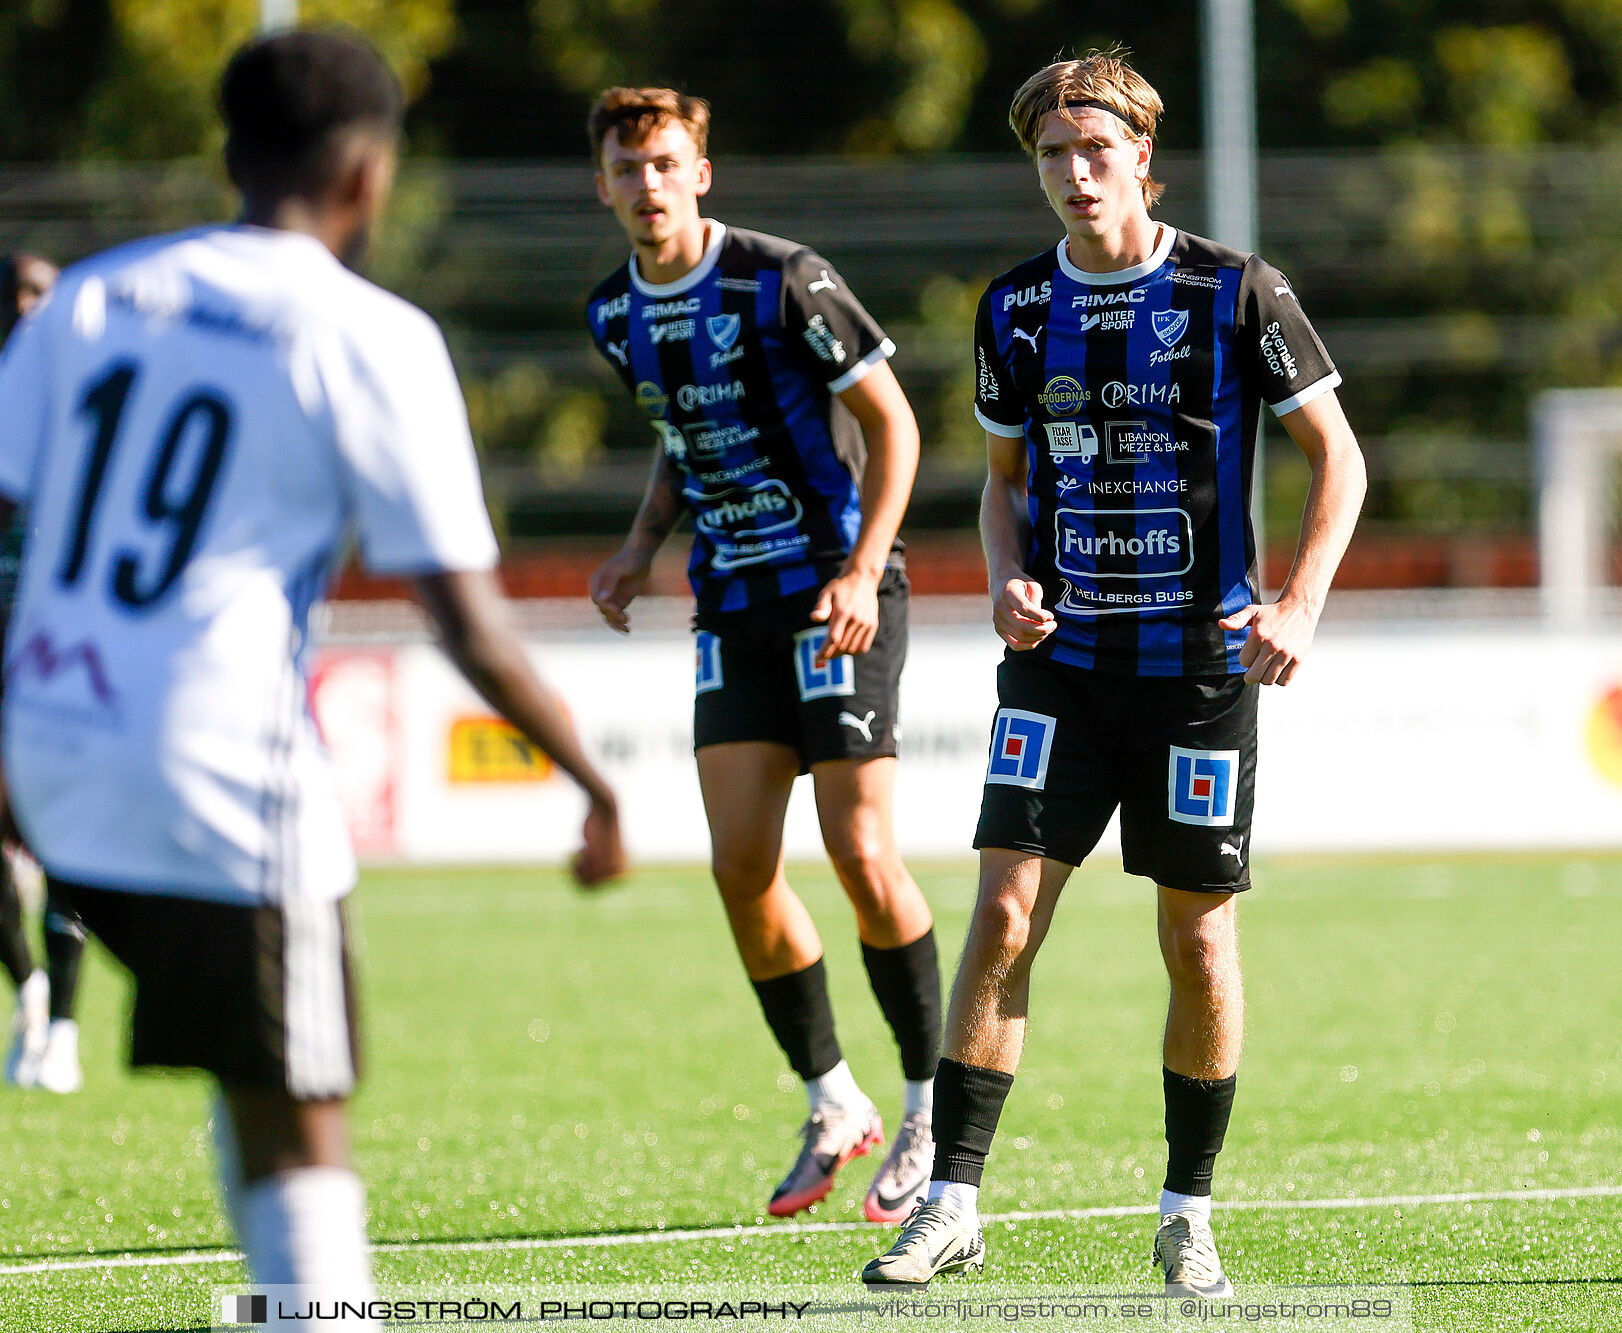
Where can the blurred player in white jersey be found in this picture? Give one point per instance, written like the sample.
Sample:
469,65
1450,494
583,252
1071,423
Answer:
198,424
44,1050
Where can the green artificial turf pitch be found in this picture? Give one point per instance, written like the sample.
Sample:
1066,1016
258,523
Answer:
546,1064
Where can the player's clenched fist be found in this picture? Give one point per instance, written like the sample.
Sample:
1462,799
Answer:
1280,634
1019,617
616,583
602,852
849,606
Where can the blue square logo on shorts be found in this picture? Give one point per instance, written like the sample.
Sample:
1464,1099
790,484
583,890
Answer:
835,680
1201,786
709,662
1021,744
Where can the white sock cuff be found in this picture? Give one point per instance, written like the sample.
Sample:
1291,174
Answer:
836,1088
1172,1202
918,1097
964,1198
306,1228
36,988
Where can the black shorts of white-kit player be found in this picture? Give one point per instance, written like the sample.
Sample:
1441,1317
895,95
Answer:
757,680
1177,754
259,995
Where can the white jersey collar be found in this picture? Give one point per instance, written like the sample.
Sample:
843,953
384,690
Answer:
700,271
1168,235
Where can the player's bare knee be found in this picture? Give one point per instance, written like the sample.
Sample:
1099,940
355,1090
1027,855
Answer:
869,872
1199,953
1001,930
741,876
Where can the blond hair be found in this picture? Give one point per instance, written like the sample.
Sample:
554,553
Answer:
1099,76
638,112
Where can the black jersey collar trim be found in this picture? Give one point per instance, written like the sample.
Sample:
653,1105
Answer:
1168,237
691,279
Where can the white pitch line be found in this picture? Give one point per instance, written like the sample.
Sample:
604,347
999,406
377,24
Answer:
202,1257
188,1259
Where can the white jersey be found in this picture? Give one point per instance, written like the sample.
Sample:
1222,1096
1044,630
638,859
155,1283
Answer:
198,423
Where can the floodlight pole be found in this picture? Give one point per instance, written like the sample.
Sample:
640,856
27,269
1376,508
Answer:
277,14
1228,29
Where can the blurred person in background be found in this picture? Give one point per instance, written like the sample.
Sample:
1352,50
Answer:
44,1050
1120,380
198,424
25,279
780,427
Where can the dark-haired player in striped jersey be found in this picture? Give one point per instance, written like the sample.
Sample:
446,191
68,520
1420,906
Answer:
1120,381
780,428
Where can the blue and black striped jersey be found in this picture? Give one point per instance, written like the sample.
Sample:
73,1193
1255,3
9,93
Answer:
738,365
1138,395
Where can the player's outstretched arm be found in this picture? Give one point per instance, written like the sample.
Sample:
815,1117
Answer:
1017,613
850,601
470,614
1281,632
620,579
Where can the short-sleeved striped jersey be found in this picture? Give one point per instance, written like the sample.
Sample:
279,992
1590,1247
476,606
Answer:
737,365
1138,395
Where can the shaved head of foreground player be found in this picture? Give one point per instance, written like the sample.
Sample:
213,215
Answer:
1120,378
198,424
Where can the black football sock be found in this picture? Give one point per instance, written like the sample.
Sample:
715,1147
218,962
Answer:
802,1020
968,1104
14,955
907,985
64,948
1197,1113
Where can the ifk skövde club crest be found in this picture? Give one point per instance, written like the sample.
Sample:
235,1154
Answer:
1170,326
723,330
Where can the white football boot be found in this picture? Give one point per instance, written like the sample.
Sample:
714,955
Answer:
1186,1251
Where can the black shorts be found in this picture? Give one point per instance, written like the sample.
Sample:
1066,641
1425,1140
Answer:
258,996
757,680
1176,754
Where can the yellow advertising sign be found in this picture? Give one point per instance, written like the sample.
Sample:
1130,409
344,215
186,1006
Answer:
1605,735
487,749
